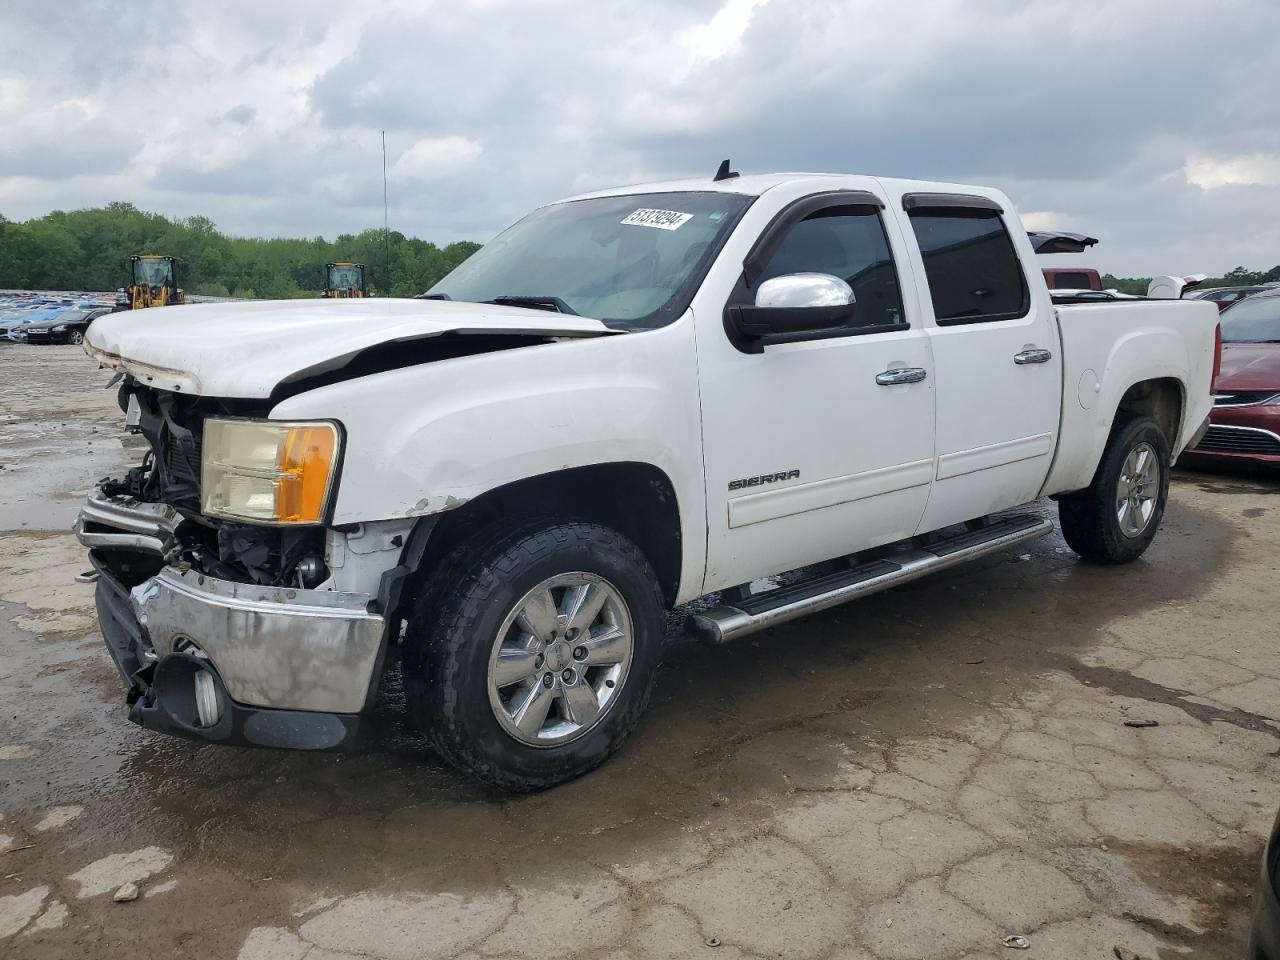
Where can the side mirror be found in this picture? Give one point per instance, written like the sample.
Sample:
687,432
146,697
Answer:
797,303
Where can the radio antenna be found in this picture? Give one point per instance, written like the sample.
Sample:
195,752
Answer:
386,223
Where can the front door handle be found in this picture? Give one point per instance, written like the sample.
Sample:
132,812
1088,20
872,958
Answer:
901,375
1032,356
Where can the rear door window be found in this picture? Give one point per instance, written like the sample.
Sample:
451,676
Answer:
969,260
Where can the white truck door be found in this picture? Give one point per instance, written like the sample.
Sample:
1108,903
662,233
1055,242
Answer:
995,348
816,445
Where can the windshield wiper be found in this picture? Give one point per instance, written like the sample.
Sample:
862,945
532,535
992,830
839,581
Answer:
433,296
555,304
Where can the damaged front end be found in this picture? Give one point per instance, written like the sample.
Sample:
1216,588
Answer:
224,631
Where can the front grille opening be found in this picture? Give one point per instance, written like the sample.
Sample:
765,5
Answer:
1219,439
1242,398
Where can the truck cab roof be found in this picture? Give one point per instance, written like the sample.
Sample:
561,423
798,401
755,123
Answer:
756,184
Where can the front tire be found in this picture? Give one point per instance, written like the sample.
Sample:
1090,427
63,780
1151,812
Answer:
1115,518
75,337
532,654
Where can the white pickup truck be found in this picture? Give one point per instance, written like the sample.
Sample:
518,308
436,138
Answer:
626,401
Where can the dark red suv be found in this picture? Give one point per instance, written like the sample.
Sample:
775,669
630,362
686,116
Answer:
1245,423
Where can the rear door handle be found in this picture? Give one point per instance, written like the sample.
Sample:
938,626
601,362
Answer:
901,375
1032,356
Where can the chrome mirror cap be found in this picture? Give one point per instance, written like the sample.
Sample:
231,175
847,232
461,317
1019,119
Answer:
804,290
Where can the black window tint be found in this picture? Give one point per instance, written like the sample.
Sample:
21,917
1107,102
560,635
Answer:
972,268
1071,281
849,243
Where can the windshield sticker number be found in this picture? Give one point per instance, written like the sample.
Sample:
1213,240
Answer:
662,219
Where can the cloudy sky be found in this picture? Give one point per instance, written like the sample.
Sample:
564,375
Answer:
1152,124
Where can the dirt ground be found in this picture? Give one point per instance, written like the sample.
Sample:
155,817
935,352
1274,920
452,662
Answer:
915,775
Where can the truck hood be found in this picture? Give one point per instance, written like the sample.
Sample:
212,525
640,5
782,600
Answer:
249,349
1250,366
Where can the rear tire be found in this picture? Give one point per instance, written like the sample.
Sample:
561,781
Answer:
1115,518
498,674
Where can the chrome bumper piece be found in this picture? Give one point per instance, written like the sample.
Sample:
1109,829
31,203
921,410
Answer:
272,646
131,524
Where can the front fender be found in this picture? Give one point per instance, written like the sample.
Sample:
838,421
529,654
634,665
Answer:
429,438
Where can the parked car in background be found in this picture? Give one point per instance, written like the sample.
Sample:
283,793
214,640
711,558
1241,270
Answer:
37,313
70,327
1065,278
1072,278
1225,297
1245,422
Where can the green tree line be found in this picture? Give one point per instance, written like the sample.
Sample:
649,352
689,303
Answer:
1237,277
90,250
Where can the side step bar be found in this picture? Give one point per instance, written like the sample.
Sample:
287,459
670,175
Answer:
772,607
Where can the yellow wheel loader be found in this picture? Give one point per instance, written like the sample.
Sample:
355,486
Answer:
155,282
344,279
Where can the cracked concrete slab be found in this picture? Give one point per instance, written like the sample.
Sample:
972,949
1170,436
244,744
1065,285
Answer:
406,928
915,775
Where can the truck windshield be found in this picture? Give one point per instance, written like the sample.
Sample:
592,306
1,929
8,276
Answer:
632,260
1255,320
153,272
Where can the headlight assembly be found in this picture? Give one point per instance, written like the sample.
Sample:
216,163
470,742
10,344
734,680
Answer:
268,471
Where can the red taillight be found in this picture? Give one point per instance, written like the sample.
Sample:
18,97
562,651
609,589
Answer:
1217,358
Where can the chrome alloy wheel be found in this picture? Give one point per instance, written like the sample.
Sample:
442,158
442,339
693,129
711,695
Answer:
560,659
1137,489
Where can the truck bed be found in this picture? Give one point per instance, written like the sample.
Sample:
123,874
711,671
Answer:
1104,349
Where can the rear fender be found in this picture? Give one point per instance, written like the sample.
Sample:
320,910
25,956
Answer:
1135,358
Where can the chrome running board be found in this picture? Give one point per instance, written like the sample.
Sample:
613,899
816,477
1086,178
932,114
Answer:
909,562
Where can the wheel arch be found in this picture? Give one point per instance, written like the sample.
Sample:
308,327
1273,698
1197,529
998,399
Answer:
1163,399
637,499
1084,440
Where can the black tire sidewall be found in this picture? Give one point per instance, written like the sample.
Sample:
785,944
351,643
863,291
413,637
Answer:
449,679
1139,430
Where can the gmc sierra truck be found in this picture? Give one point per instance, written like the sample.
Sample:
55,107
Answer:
626,401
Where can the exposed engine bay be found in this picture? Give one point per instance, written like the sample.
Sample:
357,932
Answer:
172,424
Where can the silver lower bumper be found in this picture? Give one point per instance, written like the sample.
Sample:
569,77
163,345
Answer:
272,646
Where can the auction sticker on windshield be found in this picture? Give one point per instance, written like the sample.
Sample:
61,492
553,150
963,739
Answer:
662,219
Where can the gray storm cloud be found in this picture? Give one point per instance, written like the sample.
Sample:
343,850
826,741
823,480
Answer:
1127,120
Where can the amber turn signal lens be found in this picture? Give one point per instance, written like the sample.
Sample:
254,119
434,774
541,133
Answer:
305,466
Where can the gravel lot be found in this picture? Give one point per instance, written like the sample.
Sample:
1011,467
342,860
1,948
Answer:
915,775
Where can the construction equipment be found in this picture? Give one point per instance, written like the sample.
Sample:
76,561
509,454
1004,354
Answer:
154,281
344,279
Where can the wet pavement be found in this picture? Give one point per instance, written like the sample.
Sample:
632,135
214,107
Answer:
919,774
